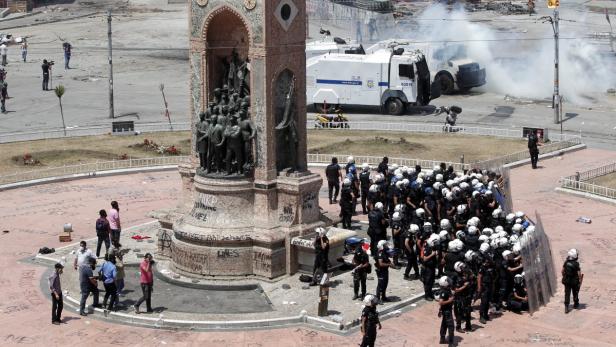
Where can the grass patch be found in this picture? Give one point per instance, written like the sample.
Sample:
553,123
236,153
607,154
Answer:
608,180
70,151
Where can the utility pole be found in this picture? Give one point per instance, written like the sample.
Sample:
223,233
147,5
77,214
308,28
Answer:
556,99
110,49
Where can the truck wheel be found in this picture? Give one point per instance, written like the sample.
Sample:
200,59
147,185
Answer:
447,84
394,106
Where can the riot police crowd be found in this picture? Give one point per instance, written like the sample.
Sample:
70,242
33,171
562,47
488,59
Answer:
448,224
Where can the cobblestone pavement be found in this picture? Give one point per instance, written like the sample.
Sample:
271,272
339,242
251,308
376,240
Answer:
34,216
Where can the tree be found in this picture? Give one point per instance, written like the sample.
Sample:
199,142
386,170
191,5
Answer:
59,90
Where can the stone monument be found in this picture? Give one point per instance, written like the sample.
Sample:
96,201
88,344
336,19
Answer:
246,191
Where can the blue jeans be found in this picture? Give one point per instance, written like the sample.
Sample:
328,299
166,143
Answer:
102,239
115,235
67,59
84,297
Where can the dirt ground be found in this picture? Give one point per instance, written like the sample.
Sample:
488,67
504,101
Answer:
447,147
605,180
59,152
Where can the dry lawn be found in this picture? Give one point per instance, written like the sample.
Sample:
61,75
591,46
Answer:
608,180
447,147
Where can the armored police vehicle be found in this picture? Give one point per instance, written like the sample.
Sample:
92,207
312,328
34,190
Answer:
391,78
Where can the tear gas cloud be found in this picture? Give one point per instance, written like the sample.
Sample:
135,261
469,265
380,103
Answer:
521,68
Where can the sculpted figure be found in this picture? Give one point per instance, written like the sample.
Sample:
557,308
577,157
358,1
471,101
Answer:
249,132
288,129
201,145
232,137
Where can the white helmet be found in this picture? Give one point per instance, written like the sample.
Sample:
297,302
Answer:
420,212
443,282
439,177
530,229
414,228
436,168
519,214
485,247
469,255
421,175
399,208
321,231
443,235
449,183
518,279
406,182
346,182
459,266
474,182
460,234
487,231
488,192
474,221
449,196
506,253
378,178
419,181
497,213
429,173
498,229
437,186
518,221
503,234
517,228
510,218
494,236
461,209
455,245
483,238
445,224
399,176
397,172
410,171
351,160
373,188
474,194
369,299
434,240
394,167
472,230
365,166
381,245
399,184
379,206
572,254
513,239
396,217
503,242
464,186
516,248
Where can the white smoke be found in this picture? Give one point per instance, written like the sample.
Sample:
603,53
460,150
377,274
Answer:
514,64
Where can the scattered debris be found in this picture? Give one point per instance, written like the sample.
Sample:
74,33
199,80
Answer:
286,286
5,231
46,250
585,220
502,7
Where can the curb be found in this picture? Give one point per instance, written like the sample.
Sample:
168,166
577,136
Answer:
586,195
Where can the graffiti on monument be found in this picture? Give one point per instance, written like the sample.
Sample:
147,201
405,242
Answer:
189,261
287,215
309,201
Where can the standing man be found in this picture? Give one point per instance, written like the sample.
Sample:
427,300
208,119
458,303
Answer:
409,252
321,254
369,321
147,282
332,172
3,53
102,232
56,294
46,67
114,222
382,263
360,272
346,203
377,227
364,181
24,49
533,142
88,283
67,54
429,252
383,166
4,94
110,274
82,255
572,278
445,301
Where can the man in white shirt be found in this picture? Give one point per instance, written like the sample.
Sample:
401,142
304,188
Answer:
82,255
3,52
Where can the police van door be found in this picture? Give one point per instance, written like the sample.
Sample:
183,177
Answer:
406,75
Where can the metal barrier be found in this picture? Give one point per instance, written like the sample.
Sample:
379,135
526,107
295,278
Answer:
588,187
91,168
593,173
373,160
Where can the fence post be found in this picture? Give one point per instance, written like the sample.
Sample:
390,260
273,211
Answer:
462,159
577,180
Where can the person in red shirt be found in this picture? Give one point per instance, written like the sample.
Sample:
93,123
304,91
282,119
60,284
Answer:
147,281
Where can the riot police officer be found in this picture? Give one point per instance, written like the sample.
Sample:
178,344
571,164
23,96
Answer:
429,252
518,300
369,321
445,301
360,271
572,278
485,282
377,227
409,251
346,204
462,299
321,250
382,264
364,181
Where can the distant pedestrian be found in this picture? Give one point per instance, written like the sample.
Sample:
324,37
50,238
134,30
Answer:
88,283
332,172
3,53
3,95
46,70
56,294
109,274
67,54
82,255
147,282
103,232
114,221
24,50
533,143
117,252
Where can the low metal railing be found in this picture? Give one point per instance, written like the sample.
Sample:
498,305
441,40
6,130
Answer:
374,160
593,173
91,168
588,187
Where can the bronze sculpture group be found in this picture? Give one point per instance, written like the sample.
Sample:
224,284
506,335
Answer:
225,132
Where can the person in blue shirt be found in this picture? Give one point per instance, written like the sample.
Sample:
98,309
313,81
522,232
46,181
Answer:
109,273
